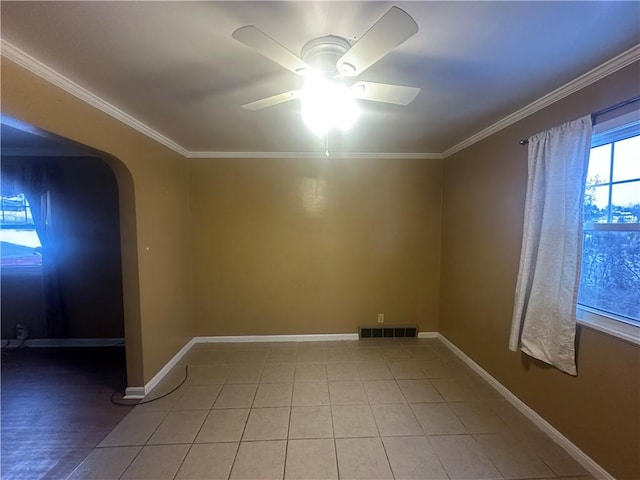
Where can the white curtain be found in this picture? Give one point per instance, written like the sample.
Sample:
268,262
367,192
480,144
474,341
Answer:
543,323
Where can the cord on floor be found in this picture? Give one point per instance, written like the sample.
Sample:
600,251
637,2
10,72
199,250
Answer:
136,402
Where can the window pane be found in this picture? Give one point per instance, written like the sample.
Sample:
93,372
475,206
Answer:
596,204
625,203
16,211
599,164
20,247
610,278
19,241
626,163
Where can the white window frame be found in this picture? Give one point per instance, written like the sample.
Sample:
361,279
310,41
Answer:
599,320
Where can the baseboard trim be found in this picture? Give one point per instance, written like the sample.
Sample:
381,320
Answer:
134,393
578,455
428,335
65,342
138,393
319,337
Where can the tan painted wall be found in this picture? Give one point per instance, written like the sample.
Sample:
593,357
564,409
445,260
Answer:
314,246
483,203
154,233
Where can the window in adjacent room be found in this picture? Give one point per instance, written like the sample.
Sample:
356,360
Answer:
610,276
20,244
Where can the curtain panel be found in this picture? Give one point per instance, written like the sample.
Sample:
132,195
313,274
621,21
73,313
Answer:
543,324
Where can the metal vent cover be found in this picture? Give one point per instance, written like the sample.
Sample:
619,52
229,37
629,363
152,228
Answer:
389,331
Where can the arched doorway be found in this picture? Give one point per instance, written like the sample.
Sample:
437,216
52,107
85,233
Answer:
85,295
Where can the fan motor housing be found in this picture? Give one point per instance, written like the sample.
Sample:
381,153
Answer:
323,53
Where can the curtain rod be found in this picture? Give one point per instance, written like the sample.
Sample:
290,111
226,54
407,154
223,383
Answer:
601,112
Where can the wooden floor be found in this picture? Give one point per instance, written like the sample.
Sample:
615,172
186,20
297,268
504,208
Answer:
56,408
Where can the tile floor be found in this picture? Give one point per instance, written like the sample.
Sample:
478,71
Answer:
369,409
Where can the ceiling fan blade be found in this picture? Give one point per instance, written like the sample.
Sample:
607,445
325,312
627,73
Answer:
271,101
255,38
394,28
384,92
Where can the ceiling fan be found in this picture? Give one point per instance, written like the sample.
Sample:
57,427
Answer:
335,59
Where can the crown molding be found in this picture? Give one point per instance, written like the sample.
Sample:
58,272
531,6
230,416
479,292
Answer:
34,65
317,155
25,60
611,66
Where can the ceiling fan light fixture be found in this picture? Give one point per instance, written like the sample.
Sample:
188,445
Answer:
327,105
348,70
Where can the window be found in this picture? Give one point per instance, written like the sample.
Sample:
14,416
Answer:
610,276
19,240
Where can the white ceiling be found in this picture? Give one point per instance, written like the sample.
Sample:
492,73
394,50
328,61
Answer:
174,66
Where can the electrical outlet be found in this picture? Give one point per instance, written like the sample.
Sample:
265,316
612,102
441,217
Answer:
381,318
21,332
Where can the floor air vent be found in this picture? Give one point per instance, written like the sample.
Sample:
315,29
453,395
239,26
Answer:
392,331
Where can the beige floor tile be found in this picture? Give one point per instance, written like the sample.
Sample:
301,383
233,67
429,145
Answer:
259,461
353,421
159,399
198,397
179,427
273,395
311,372
421,354
374,371
419,391
105,463
267,424
310,422
134,429
278,373
383,391
455,389
437,419
477,417
439,368
413,458
236,396
396,420
311,460
462,457
282,356
245,356
338,372
156,462
338,354
395,354
347,393
307,394
211,461
223,426
511,457
306,355
373,354
406,370
362,458
208,374
551,453
245,373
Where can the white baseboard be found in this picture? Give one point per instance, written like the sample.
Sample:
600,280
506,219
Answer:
428,335
579,456
137,393
134,393
65,342
319,337
140,392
